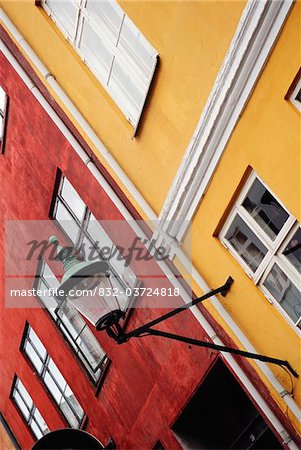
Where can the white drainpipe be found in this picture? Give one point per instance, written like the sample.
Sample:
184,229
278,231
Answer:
152,216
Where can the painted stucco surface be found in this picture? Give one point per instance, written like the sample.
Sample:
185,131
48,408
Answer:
266,139
191,38
140,377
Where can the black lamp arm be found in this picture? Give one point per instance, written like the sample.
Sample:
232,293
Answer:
115,331
222,348
221,290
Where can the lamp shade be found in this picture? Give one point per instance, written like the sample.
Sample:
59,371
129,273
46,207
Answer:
87,286
68,439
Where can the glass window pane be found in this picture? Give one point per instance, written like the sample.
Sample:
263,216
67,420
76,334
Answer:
72,199
23,407
56,374
285,292
90,347
99,236
265,209
71,319
96,51
56,393
292,251
67,222
97,232
66,14
1,125
37,344
108,16
69,414
246,243
36,430
49,276
2,99
90,250
40,421
24,393
48,301
33,356
72,401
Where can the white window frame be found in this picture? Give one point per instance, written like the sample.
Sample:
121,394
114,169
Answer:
293,96
94,373
3,115
74,40
46,363
83,233
32,409
274,248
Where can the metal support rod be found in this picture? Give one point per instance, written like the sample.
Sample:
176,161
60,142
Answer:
120,337
221,290
222,348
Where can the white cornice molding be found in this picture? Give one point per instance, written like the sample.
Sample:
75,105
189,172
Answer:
257,32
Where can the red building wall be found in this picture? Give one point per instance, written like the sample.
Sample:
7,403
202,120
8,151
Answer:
149,380
147,383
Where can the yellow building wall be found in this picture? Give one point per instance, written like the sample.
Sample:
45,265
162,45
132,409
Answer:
192,39
267,138
5,442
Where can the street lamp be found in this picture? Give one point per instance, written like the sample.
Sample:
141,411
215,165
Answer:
104,312
82,278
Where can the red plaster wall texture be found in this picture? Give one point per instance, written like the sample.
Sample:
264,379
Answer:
147,382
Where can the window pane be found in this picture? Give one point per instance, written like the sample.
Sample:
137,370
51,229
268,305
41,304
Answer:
56,375
57,395
72,325
37,344
74,403
29,411
35,429
99,236
67,222
72,199
23,407
49,276
2,99
284,291
65,12
40,421
33,356
48,301
96,51
265,209
246,243
69,414
97,233
108,16
90,250
90,347
293,250
24,393
71,319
